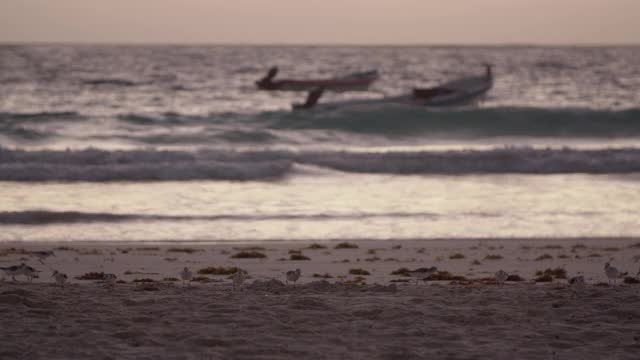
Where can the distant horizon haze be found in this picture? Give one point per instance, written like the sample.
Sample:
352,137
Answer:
330,22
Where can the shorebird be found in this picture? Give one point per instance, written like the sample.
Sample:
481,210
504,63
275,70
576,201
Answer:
60,277
293,276
186,275
422,273
238,279
110,280
42,255
611,272
14,271
577,281
501,277
29,272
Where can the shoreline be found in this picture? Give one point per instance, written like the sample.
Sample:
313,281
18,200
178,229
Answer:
294,242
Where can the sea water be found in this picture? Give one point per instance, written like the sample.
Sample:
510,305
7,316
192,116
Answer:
175,143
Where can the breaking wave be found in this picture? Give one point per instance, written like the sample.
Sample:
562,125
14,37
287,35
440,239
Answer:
504,121
151,165
390,120
43,217
405,120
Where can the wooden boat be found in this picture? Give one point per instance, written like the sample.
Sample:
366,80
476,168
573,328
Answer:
359,81
456,92
453,93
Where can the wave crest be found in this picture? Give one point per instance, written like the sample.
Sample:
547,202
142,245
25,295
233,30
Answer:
151,165
411,120
389,120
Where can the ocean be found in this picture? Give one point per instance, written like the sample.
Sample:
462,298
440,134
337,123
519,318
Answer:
175,143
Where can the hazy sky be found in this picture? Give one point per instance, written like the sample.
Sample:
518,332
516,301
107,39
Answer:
325,21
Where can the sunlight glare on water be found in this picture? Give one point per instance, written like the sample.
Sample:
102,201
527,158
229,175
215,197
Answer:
326,207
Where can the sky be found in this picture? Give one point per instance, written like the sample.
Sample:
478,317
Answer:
321,22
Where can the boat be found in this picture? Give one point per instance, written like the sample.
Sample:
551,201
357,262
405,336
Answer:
456,92
359,81
453,93
312,99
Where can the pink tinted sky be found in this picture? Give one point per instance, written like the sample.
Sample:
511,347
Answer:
326,21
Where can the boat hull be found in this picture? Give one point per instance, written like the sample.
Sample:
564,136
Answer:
454,99
355,82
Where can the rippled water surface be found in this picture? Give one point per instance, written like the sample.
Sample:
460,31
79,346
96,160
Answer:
175,143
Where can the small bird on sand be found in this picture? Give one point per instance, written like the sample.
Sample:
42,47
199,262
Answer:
501,277
110,280
186,275
14,271
30,272
577,281
611,272
60,278
293,276
238,279
422,273
42,255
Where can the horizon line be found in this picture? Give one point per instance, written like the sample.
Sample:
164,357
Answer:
319,44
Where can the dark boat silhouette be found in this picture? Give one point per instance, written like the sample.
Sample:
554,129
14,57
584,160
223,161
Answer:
452,93
456,92
359,81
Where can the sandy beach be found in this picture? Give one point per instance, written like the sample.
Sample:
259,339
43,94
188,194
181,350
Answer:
345,315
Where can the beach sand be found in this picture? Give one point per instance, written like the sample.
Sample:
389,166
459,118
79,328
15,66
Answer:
347,316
